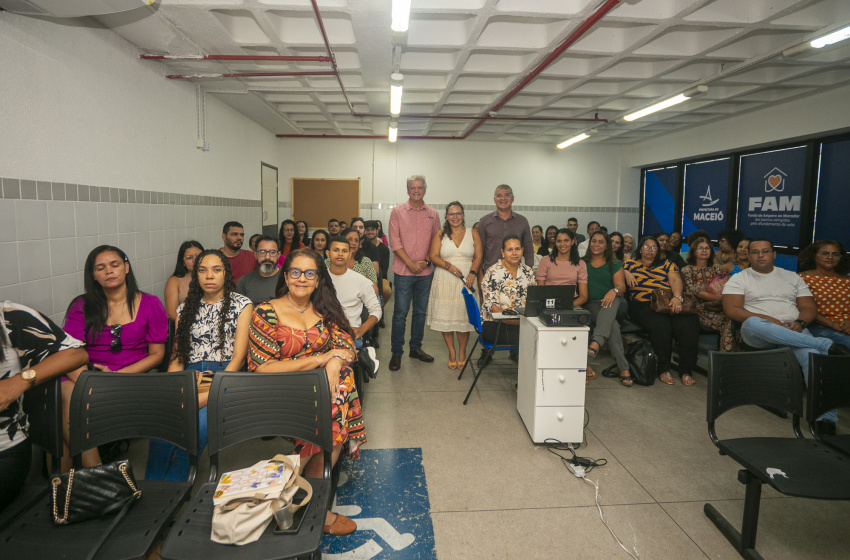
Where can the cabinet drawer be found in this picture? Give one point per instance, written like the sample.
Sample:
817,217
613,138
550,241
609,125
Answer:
564,423
560,387
562,349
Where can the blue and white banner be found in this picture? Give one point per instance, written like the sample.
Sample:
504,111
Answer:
659,196
706,194
770,195
833,194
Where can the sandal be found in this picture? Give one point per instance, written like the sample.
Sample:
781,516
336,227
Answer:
589,375
626,380
592,352
687,380
666,378
452,365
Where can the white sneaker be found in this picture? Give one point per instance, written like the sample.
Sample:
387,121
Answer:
374,356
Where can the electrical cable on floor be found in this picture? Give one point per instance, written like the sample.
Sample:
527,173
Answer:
595,485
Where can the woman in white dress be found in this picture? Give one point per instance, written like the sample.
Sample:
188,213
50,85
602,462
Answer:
456,253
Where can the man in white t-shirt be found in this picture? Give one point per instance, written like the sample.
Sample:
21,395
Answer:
354,292
774,307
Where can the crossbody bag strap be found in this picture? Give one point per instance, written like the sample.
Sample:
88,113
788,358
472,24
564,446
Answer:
94,549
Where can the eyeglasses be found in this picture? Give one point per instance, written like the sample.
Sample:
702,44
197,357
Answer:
309,274
827,254
288,230
189,258
650,248
115,331
454,214
269,252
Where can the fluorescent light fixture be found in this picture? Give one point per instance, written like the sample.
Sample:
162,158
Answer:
833,37
395,93
574,139
393,135
666,103
401,15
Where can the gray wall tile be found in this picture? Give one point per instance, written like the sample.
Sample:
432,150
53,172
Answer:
108,239
142,270
127,242
141,218
8,231
58,191
34,260
11,188
143,245
9,257
94,193
84,246
63,256
70,192
28,190
157,246
85,214
61,219
83,192
11,293
125,218
44,190
38,295
65,288
32,222
107,218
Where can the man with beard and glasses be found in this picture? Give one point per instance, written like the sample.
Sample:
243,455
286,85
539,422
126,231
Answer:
241,261
259,285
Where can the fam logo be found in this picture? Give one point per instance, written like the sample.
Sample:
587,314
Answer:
774,181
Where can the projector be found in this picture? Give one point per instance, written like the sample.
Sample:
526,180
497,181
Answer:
576,317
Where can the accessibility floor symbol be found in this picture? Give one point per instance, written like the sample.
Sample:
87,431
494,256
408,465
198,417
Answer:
385,493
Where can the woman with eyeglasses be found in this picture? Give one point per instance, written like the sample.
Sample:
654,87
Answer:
704,279
124,328
212,336
177,285
456,252
305,328
288,240
825,265
646,272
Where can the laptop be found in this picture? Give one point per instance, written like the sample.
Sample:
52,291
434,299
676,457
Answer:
547,298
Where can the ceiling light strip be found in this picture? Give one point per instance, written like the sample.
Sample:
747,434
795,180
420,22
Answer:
832,38
660,106
400,15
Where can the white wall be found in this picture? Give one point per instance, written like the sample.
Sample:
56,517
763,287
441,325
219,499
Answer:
97,146
818,114
589,182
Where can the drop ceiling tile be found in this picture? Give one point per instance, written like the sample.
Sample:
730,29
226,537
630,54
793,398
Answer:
659,10
550,86
288,98
572,102
767,74
773,94
613,37
522,33
440,29
422,96
652,91
699,70
475,110
448,4
735,11
306,118
471,98
635,68
723,90
818,14
444,126
560,7
523,100
416,108
338,97
575,65
687,40
756,43
241,25
821,79
301,27
489,61
298,108
600,87
429,59
414,80
482,83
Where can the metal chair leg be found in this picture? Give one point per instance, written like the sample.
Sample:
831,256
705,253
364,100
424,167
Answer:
469,360
744,541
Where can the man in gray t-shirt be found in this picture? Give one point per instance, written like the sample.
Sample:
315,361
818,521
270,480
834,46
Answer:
259,285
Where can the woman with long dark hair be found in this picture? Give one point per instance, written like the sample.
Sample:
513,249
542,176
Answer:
288,240
564,267
33,349
319,241
177,285
617,242
302,233
124,328
212,336
456,252
358,261
305,328
824,265
704,278
547,243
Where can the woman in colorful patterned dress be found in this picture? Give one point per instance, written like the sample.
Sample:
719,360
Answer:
305,328
505,286
704,279
646,273
825,265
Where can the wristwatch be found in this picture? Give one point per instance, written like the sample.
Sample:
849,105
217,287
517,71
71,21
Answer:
616,291
803,324
29,375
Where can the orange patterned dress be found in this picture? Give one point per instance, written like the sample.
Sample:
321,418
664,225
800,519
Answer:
832,294
269,340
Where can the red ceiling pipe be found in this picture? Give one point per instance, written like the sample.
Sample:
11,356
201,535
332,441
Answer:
331,54
574,36
476,117
246,75
235,57
366,137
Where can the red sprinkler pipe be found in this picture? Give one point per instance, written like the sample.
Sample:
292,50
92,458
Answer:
476,117
235,57
365,137
331,55
246,75
574,36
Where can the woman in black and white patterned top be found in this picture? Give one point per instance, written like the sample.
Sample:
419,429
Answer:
211,336
33,349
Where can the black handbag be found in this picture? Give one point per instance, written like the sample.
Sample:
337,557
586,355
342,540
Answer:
82,494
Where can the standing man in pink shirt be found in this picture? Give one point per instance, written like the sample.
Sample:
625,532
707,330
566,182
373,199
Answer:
412,226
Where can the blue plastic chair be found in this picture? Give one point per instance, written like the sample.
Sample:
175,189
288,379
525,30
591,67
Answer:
473,313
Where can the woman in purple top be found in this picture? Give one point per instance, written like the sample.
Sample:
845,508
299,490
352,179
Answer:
124,329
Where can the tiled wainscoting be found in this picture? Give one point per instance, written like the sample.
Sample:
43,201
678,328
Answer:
48,229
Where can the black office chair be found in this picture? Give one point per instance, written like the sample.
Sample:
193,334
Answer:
793,466
43,406
106,407
244,406
829,388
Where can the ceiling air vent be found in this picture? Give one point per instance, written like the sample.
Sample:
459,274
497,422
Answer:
71,8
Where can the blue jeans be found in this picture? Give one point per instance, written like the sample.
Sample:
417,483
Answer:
832,334
407,288
169,462
762,334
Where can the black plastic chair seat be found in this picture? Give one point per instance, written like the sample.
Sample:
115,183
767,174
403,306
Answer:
33,535
190,536
839,443
827,478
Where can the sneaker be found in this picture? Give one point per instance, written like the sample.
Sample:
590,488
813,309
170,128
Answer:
374,356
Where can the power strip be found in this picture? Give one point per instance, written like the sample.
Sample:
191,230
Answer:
577,470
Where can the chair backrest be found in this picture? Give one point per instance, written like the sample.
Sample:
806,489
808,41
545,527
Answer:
829,385
43,406
473,313
245,406
108,406
768,378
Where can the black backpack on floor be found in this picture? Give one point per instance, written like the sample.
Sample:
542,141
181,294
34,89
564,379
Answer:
642,363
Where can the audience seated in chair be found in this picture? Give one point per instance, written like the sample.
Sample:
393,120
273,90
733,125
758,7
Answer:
704,279
177,285
505,286
124,328
212,336
353,291
775,308
824,265
259,285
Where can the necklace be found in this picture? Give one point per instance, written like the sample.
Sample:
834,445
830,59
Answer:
292,305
